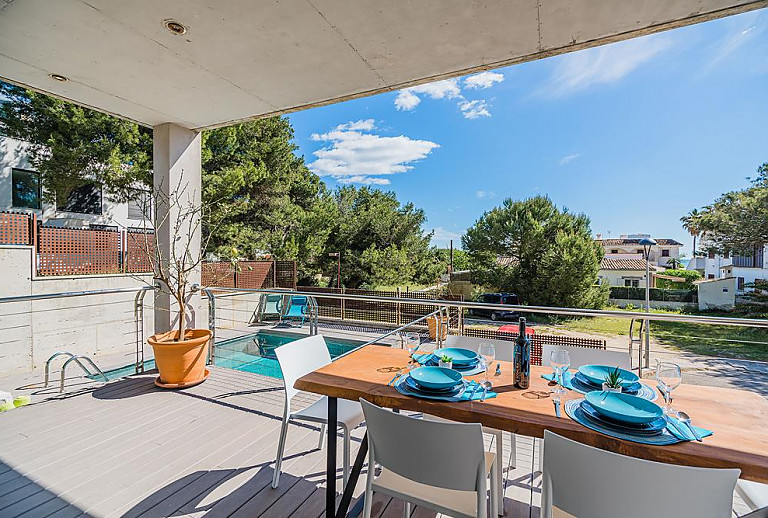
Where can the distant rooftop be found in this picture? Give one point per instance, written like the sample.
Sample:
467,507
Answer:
623,264
635,241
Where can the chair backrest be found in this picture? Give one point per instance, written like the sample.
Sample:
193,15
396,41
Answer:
586,481
504,348
272,304
298,300
442,454
301,357
587,356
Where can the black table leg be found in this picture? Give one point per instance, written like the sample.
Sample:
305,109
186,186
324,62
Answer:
330,466
354,475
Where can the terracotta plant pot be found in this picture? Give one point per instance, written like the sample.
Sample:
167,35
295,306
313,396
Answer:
181,363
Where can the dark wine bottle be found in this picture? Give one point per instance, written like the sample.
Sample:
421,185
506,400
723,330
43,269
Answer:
522,357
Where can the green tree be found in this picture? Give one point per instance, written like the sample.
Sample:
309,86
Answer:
265,198
70,145
691,223
380,239
737,222
553,258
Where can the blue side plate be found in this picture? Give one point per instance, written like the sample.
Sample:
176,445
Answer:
458,356
624,408
435,378
596,374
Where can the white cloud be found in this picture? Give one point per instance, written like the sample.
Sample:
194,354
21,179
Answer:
485,194
567,159
409,98
601,65
474,109
483,80
354,155
740,30
441,238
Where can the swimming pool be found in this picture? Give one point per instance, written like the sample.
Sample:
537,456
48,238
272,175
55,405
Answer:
250,353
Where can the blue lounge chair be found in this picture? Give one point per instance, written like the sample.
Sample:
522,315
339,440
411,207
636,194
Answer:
297,309
269,306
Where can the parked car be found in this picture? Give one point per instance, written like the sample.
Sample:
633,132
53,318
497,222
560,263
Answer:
496,314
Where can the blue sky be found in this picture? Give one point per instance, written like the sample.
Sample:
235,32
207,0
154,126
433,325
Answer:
633,134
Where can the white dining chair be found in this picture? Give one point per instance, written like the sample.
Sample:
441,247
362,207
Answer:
442,466
580,480
754,494
504,350
588,356
296,359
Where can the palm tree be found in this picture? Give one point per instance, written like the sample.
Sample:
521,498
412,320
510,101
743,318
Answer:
691,224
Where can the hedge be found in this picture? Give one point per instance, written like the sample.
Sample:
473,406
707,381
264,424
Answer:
657,294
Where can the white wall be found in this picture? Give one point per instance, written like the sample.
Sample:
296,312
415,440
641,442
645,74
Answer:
12,156
616,277
100,326
717,294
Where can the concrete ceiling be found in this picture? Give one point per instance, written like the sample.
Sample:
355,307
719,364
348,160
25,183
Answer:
245,59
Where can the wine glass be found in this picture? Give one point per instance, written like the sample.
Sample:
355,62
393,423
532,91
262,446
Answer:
560,359
412,343
487,352
668,377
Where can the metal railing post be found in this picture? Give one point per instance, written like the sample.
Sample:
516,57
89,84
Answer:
211,324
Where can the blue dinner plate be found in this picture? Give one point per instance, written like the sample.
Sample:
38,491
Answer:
624,408
435,378
461,357
654,427
411,384
584,385
596,374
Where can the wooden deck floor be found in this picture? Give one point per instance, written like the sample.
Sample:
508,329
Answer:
129,449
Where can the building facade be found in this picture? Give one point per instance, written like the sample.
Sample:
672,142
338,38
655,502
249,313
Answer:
628,246
746,269
624,272
88,206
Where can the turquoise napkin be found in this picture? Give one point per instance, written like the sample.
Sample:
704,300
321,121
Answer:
681,431
567,379
422,358
474,392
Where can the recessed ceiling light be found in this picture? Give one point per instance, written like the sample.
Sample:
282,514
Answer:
59,77
175,27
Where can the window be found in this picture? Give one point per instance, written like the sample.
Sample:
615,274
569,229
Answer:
631,283
85,199
639,251
25,189
710,276
615,251
711,255
139,208
741,283
755,260
665,253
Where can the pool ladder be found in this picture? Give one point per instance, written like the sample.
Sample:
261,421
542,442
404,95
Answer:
72,358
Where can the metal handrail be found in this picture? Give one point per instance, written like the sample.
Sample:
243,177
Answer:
692,319
65,294
77,359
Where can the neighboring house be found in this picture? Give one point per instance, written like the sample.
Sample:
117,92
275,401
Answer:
21,191
629,247
624,272
745,269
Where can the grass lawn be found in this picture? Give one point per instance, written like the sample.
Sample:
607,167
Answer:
746,343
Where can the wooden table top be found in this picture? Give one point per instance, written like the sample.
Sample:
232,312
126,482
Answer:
738,418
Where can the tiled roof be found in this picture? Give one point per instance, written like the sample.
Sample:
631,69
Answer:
618,242
623,264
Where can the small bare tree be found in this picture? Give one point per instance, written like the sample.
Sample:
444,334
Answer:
177,214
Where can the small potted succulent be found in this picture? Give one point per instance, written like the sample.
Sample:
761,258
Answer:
445,361
612,381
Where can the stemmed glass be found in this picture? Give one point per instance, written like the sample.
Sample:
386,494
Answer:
487,352
668,377
412,343
560,360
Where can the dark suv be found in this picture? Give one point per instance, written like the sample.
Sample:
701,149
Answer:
496,314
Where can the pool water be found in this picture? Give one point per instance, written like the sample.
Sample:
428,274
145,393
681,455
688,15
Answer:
250,353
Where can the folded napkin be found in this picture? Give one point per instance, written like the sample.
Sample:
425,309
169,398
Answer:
678,428
567,379
423,358
474,392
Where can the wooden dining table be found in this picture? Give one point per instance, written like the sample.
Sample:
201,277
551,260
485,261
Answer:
738,418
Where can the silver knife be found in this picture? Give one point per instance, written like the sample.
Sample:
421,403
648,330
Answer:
671,423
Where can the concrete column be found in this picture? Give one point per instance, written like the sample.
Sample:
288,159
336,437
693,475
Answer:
177,173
